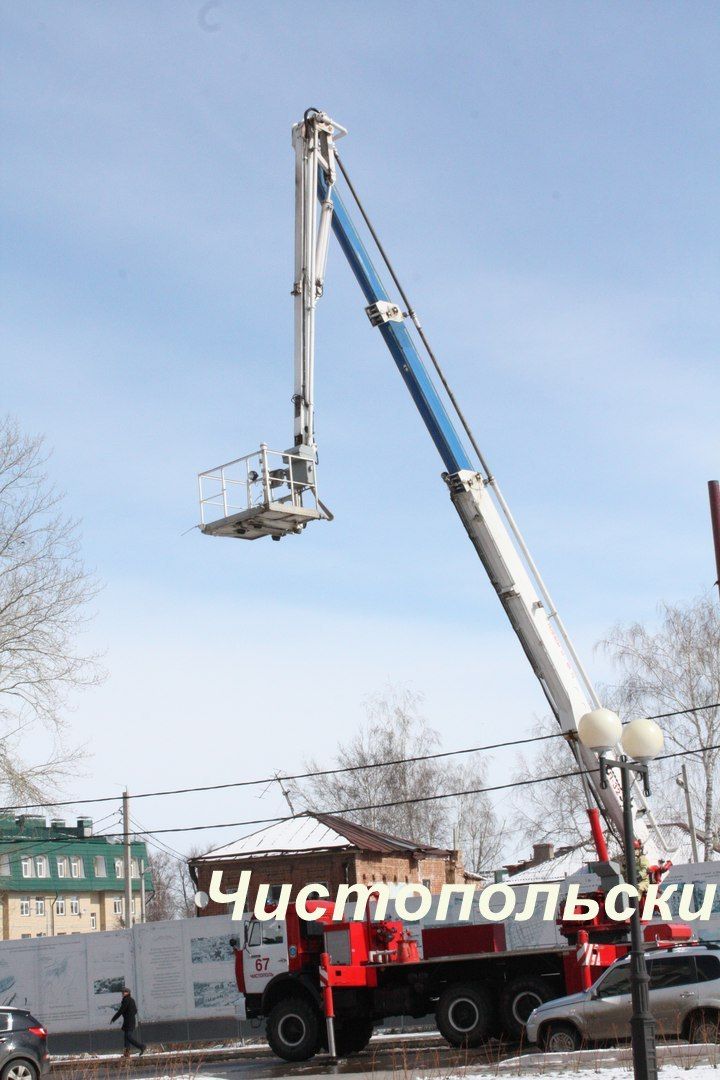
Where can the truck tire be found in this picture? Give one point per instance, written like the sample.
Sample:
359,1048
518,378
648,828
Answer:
519,998
352,1035
293,1029
464,1015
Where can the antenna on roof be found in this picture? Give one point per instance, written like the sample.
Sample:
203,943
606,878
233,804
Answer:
286,794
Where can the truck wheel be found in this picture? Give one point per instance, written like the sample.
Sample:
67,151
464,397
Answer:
293,1029
558,1038
464,1015
518,1000
352,1035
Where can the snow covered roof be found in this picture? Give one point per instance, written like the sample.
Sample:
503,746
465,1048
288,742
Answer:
317,832
574,860
565,865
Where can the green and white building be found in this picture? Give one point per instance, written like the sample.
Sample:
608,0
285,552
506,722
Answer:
58,879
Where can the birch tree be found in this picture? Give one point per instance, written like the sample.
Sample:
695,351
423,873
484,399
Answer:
673,668
669,668
44,596
394,730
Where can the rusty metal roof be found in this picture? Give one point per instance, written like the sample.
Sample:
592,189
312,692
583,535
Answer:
373,840
318,832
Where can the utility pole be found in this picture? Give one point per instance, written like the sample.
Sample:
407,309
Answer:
142,890
127,859
714,493
683,782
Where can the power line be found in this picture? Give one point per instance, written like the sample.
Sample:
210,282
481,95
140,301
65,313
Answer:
406,802
159,844
265,781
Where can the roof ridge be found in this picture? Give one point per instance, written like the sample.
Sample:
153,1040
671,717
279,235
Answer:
340,824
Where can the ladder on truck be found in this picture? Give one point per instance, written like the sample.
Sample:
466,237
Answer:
277,491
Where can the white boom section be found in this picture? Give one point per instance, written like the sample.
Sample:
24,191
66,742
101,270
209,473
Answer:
314,147
524,598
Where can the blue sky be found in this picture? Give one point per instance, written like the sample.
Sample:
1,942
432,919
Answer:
545,178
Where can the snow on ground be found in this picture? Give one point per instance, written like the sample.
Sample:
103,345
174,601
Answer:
691,1071
676,1061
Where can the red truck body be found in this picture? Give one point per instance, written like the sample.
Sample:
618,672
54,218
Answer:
297,973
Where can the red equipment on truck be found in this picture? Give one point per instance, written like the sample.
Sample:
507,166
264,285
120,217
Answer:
326,983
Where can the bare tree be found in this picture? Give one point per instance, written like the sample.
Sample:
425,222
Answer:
174,888
187,886
163,903
552,811
44,594
481,835
671,669
395,730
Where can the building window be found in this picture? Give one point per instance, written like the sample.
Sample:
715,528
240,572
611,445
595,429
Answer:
100,867
41,866
60,905
26,866
76,866
39,905
41,934
134,868
74,905
119,868
24,907
93,921
4,865
25,935
117,905
62,866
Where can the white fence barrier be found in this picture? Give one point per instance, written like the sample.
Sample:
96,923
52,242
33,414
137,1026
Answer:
177,970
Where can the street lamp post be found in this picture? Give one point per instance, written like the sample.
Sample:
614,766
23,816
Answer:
642,740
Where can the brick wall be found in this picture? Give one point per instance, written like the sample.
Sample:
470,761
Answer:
330,868
399,869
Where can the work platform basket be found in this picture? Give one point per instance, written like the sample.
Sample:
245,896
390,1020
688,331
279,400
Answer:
266,493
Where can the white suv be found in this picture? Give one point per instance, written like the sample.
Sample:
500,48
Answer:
684,999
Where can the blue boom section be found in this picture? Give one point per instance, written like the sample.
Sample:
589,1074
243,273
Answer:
399,343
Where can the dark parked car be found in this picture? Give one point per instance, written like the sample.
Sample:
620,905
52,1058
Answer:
23,1046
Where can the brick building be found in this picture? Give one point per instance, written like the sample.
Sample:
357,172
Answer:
61,879
329,850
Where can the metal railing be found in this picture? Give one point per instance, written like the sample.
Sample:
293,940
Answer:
257,481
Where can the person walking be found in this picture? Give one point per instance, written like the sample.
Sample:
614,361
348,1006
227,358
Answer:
128,1011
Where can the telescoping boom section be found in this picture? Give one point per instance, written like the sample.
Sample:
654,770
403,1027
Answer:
280,490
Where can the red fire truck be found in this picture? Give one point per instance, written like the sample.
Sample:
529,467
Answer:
353,974
330,982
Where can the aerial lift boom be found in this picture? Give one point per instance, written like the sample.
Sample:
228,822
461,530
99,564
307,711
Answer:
286,493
